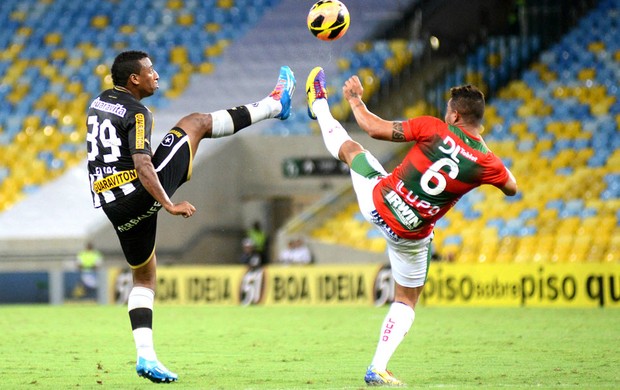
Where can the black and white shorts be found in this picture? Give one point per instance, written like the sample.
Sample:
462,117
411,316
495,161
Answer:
134,217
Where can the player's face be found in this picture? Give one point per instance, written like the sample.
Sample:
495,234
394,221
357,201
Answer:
148,78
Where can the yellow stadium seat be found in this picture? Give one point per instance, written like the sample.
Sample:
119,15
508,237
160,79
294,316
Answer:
602,106
174,4
24,31
362,47
206,68
213,27
217,49
52,39
466,256
418,109
179,55
127,29
504,257
586,74
99,21
185,19
574,257
596,47
522,257
487,253
92,53
541,255
340,111
450,251
378,245
12,52
343,64
19,16
595,254
494,59
60,54
225,3
370,80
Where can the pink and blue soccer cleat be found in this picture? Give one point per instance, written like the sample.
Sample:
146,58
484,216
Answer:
284,90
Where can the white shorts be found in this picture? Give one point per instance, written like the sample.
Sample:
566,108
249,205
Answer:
409,258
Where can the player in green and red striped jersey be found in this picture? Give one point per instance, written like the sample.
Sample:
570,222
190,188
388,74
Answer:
448,159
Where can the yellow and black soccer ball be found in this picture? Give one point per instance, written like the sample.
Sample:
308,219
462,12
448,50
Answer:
328,20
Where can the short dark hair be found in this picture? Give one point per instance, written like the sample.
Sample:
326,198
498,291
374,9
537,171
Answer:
468,101
125,64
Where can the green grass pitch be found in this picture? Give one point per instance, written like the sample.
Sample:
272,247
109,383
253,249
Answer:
310,347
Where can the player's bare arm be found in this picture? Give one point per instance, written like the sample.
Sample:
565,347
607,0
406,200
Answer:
372,124
510,188
398,135
150,181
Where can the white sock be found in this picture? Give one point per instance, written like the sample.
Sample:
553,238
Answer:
334,135
395,326
142,298
222,124
222,121
144,343
264,109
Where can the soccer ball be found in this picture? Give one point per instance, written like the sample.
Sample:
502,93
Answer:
328,20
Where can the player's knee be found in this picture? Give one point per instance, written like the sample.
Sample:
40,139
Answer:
407,295
348,150
198,124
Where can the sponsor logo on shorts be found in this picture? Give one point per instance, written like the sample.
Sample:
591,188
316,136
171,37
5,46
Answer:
134,221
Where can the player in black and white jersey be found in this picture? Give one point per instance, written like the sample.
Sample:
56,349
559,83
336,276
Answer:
131,180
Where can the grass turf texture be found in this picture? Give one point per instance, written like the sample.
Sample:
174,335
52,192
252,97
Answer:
82,346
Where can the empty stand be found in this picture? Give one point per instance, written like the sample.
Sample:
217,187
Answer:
56,59
557,128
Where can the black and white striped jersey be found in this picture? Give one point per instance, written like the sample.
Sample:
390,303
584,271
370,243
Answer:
119,125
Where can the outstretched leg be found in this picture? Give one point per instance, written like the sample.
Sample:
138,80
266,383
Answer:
337,140
223,123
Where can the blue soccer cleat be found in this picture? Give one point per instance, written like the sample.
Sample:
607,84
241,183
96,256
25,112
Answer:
154,371
315,88
374,377
284,90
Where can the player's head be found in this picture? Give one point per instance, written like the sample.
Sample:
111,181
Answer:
466,105
134,70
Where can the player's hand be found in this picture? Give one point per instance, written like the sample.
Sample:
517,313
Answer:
352,89
184,208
